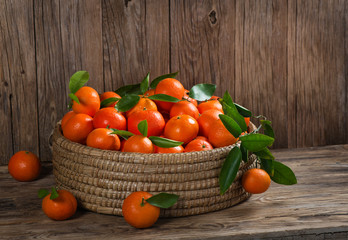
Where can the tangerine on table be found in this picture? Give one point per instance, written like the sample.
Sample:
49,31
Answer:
24,166
89,101
220,136
61,208
206,120
181,128
138,143
187,97
78,127
171,87
107,95
109,116
256,180
66,117
210,104
142,105
137,212
154,119
103,139
198,145
184,107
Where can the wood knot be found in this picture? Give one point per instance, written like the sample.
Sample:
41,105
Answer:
212,17
126,2
22,72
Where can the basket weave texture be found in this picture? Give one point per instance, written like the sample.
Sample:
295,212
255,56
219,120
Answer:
102,179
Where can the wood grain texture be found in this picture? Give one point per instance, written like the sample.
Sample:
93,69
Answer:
136,41
68,39
202,43
261,62
18,94
315,208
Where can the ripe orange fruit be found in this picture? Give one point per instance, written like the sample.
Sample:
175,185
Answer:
24,166
210,104
187,97
181,128
206,120
138,143
102,139
61,208
137,212
256,180
184,107
178,149
66,117
142,105
89,101
154,119
107,95
109,116
149,92
202,137
214,98
247,121
78,127
219,136
198,145
172,87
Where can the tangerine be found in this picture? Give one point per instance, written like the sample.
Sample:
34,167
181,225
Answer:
149,92
109,116
107,95
154,119
219,136
24,166
177,149
181,128
206,120
198,145
187,97
142,105
247,121
78,127
138,143
60,208
171,87
103,139
210,104
256,180
66,117
184,107
89,101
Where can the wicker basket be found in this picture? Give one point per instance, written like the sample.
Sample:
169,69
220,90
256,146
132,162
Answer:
102,179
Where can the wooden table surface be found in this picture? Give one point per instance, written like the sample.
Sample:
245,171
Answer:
315,208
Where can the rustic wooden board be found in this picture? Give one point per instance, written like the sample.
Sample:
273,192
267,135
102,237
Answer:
315,208
18,91
68,39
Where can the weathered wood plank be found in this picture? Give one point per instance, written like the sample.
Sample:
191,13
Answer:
202,43
320,73
136,41
18,92
68,39
261,62
315,208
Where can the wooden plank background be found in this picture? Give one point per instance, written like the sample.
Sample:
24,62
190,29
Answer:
287,60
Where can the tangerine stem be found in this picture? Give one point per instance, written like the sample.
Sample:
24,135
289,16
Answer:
142,202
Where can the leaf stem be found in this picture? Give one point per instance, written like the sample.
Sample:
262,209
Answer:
142,204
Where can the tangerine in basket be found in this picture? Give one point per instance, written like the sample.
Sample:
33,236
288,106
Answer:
171,87
177,149
138,143
219,136
206,120
187,97
89,101
137,212
210,104
66,117
109,116
182,128
142,105
247,121
198,145
107,95
184,107
24,166
154,119
256,181
60,208
78,127
103,139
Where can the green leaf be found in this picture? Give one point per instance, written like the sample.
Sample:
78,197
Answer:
142,127
74,98
229,169
127,102
109,101
144,85
54,193
163,200
245,153
233,113
243,111
164,142
122,133
77,80
264,153
256,142
268,166
160,78
164,98
283,174
230,125
202,91
267,127
228,99
43,193
129,89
